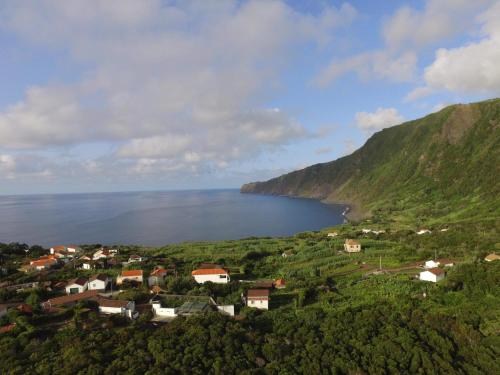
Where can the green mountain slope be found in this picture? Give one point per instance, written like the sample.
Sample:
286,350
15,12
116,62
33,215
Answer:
445,165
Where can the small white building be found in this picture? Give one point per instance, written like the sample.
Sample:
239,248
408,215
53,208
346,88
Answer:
352,246
215,275
332,234
44,263
130,275
423,231
366,231
104,254
157,277
258,298
69,249
99,282
439,262
135,259
118,307
434,275
286,254
78,285
431,264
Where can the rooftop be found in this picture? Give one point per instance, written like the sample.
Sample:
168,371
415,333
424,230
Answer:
131,273
193,307
104,302
436,271
258,293
209,271
72,298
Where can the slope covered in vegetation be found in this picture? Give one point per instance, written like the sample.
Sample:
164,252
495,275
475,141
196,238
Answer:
445,165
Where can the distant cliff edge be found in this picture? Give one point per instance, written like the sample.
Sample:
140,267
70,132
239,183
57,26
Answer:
445,165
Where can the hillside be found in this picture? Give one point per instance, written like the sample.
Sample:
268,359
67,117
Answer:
445,165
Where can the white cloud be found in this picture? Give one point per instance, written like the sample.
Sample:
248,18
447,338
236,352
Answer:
379,64
473,68
380,119
418,93
169,82
405,34
438,20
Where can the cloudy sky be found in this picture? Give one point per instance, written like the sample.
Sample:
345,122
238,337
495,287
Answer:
114,95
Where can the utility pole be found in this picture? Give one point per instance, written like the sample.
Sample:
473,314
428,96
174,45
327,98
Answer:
380,263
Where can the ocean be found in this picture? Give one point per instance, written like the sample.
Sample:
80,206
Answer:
158,218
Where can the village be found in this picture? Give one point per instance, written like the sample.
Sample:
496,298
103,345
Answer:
115,282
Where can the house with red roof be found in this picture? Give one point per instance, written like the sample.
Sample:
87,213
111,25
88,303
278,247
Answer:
130,275
215,275
43,263
78,285
118,307
65,251
433,275
157,277
258,298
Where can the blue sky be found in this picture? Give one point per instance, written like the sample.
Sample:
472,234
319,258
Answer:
152,94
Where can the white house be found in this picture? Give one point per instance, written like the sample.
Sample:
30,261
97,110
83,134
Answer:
431,264
104,254
99,282
43,263
69,249
423,231
258,298
135,258
377,232
366,231
215,275
332,234
158,310
112,306
157,277
434,275
130,275
352,246
287,254
439,262
78,285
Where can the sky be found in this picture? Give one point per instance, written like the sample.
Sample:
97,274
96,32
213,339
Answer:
119,95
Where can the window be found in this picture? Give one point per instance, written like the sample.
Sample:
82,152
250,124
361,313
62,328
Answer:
222,276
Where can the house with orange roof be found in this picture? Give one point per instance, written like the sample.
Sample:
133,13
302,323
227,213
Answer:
215,275
491,257
157,277
62,251
280,284
130,275
43,263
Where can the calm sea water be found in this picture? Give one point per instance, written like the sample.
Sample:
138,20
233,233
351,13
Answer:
157,218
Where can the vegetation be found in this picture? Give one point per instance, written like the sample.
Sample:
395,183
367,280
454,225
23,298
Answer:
334,317
443,167
363,313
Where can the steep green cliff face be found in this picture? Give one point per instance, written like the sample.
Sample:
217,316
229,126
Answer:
445,165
